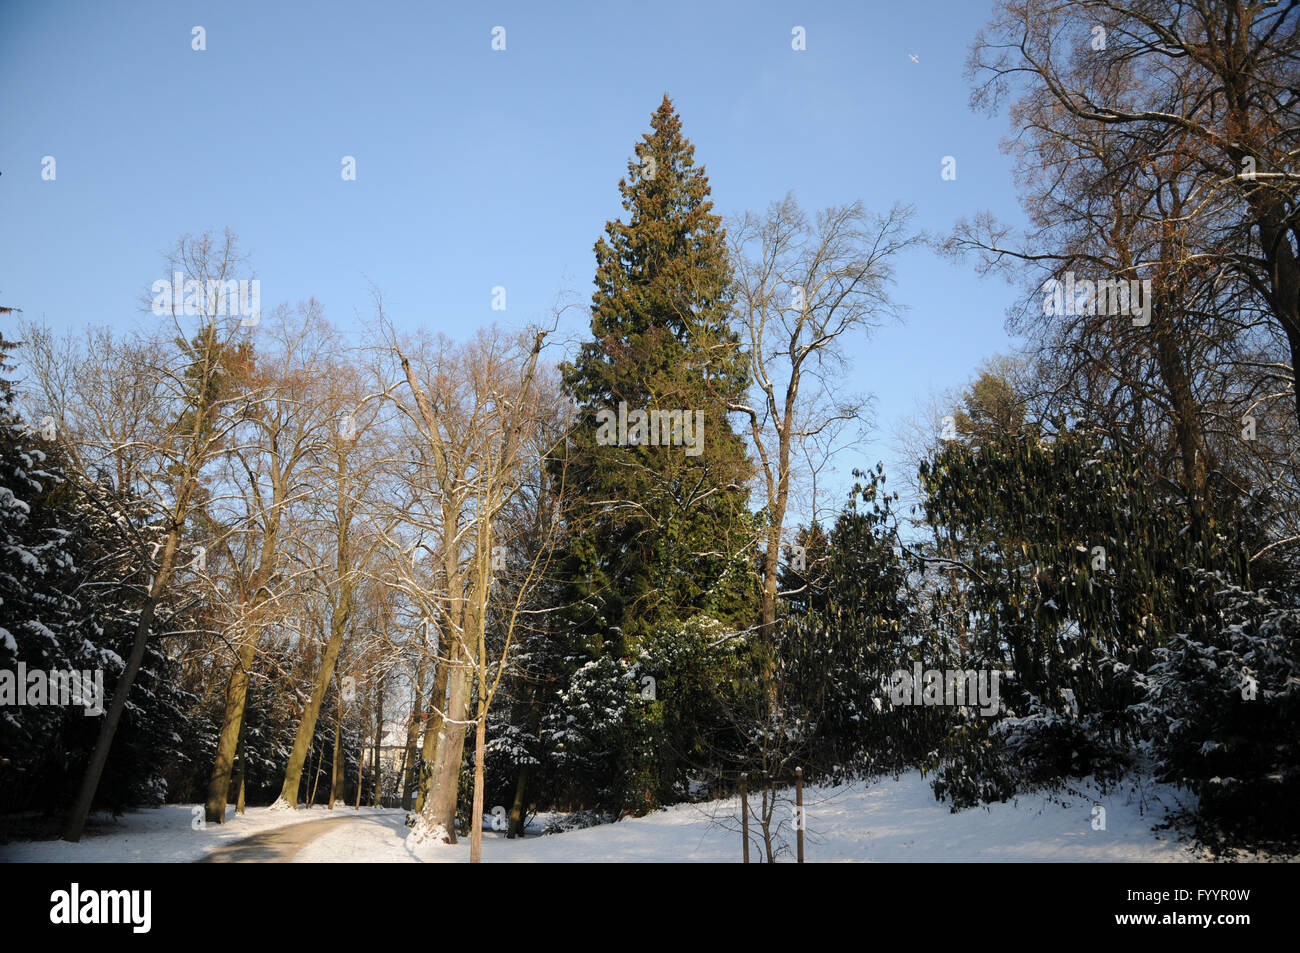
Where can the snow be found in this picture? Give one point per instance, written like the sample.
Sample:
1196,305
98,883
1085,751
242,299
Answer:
886,820
883,821
161,835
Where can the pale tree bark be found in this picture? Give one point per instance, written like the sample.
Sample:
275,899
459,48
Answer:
473,441
801,288
508,426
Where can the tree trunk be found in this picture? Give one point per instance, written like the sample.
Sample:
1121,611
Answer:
236,698
515,828
480,742
76,822
361,752
315,777
772,557
90,781
336,776
432,731
239,771
440,806
311,714
377,791
771,576
361,767
410,768
1275,225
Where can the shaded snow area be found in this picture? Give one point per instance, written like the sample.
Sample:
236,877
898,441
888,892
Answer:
889,819
884,820
165,834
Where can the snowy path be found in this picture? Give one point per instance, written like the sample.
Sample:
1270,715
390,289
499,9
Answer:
280,845
171,834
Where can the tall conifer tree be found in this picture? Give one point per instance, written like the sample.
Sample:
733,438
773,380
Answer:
668,530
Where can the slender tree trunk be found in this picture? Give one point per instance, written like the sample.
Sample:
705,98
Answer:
90,781
361,753
432,732
236,698
771,576
237,690
340,614
772,557
311,714
400,780
314,776
361,766
336,776
515,828
1186,421
480,743
377,793
769,804
410,767
239,772
108,729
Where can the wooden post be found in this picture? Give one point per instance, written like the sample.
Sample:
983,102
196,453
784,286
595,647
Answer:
798,800
744,814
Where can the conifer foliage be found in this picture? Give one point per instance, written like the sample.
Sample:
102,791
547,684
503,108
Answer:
668,526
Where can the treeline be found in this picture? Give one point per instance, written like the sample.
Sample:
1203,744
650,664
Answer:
604,581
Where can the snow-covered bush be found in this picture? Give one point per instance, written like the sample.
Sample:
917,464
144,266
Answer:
1223,714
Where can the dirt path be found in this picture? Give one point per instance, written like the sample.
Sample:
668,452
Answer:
276,846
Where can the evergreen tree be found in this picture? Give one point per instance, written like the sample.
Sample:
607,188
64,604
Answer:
668,527
37,618
1222,709
69,597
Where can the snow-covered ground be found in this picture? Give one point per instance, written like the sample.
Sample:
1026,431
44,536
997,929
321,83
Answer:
884,820
164,835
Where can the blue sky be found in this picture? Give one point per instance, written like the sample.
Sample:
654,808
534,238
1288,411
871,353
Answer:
477,168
